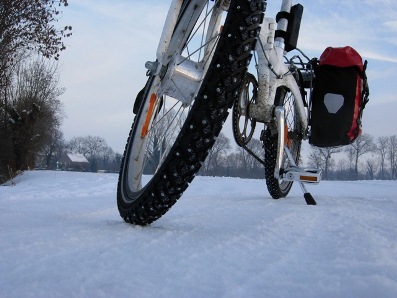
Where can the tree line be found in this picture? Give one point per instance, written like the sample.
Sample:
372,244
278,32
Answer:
366,158
94,148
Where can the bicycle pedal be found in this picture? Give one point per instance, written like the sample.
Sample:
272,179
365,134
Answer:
305,175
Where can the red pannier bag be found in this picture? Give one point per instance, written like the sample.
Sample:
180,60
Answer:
339,96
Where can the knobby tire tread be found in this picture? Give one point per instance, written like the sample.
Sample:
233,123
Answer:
270,146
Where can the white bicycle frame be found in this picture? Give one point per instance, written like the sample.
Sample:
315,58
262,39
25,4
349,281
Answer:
272,71
272,74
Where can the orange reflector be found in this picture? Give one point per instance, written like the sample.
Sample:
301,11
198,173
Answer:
287,141
149,114
308,178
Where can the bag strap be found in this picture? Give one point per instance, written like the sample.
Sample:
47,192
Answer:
365,92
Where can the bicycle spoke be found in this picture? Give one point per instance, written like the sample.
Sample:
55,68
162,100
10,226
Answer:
190,55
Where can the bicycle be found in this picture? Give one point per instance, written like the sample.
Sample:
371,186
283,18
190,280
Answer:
200,72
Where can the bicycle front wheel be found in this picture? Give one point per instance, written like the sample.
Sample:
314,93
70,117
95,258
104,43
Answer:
279,188
182,108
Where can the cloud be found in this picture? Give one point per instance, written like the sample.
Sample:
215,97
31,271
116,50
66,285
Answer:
378,56
351,22
391,25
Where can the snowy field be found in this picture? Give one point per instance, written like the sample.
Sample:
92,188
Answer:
61,236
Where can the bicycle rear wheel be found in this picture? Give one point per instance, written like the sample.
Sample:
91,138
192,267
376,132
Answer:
279,188
182,108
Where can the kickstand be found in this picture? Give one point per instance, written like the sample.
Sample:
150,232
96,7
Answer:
307,195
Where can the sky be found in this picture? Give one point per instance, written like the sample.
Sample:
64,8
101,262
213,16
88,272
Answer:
103,69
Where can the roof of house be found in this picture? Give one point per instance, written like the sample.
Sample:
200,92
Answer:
77,157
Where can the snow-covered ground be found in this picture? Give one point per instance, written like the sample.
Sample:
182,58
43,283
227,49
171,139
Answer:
61,236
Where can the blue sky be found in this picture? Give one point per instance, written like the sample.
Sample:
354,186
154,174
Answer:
103,66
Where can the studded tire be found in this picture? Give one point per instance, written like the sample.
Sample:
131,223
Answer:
202,124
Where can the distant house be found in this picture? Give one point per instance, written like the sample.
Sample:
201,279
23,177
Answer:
73,162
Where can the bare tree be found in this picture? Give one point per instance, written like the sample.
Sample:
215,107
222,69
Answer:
322,158
53,150
29,25
256,146
392,155
92,147
221,147
76,145
26,27
233,164
342,167
362,145
371,166
107,158
381,146
246,165
96,150
162,137
32,113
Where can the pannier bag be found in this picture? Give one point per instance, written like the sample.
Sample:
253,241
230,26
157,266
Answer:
339,96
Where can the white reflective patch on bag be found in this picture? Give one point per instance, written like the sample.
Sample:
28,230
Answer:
333,102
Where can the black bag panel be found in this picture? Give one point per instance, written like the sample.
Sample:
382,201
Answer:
333,104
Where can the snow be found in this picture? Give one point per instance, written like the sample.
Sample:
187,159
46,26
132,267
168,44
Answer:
61,236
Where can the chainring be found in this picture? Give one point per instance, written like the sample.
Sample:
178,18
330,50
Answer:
243,125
